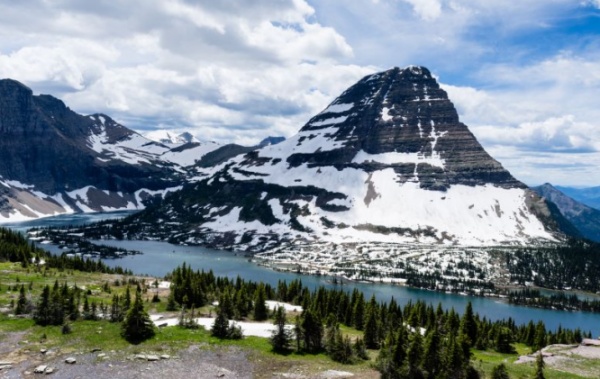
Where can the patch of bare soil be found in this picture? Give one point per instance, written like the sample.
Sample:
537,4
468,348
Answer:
193,362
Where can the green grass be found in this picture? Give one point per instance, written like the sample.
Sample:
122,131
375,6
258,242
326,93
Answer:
88,335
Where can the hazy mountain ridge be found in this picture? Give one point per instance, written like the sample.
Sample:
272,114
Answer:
585,219
589,196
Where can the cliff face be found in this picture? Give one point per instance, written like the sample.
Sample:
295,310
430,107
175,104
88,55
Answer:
53,160
46,145
404,112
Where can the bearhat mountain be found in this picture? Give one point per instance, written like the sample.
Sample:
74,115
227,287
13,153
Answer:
386,161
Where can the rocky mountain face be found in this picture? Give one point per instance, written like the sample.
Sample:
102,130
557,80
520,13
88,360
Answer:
53,160
387,161
585,219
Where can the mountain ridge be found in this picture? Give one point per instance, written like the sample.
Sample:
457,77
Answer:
387,161
585,219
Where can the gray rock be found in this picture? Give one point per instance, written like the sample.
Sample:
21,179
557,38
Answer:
40,369
49,370
70,360
165,356
152,358
140,356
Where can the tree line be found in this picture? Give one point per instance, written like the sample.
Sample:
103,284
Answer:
561,301
14,247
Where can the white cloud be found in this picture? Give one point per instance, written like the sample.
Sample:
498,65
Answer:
233,71
241,70
539,120
428,10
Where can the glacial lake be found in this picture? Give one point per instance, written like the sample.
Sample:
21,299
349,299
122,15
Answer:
160,258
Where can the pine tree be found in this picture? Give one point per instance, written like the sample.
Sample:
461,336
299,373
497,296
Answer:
312,331
171,304
539,340
220,326
298,333
260,308
137,326
499,372
127,300
414,356
358,312
431,357
539,366
22,302
503,340
372,325
42,312
468,325
281,337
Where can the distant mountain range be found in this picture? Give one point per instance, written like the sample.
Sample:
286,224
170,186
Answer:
584,218
589,196
387,161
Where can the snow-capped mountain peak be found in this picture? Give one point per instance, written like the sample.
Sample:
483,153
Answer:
387,161
170,138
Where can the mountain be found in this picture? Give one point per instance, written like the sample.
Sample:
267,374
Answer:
585,219
271,141
53,160
387,161
589,196
170,139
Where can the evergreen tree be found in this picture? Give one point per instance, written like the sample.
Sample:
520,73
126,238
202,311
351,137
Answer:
22,303
414,356
358,312
499,372
372,325
42,314
171,304
298,333
468,325
539,367
281,337
260,307
360,349
137,326
220,326
539,340
127,300
312,332
503,340
431,357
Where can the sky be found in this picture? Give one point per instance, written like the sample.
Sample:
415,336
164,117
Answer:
524,75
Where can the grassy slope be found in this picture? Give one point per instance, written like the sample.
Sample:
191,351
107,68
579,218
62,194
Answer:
88,335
